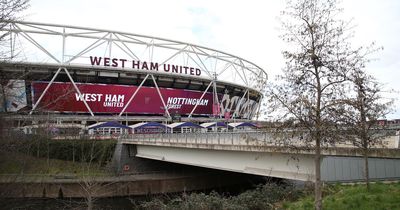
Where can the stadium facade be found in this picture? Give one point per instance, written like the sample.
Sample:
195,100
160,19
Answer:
84,74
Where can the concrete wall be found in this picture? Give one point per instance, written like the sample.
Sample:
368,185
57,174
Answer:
118,186
337,168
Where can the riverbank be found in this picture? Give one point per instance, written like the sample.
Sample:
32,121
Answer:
285,196
259,197
42,168
43,157
272,195
27,176
115,186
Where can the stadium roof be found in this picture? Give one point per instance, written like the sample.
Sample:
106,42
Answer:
241,124
147,124
111,124
183,124
212,124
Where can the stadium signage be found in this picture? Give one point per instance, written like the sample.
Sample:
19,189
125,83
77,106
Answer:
176,102
102,98
144,65
108,98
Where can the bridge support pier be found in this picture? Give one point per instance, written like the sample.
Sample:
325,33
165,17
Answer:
125,161
120,157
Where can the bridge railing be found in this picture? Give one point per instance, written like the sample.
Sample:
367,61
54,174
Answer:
248,138
254,138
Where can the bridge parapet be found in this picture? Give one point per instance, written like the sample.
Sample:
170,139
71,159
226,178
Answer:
257,142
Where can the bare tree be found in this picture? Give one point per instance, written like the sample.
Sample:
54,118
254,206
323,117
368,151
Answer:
93,186
319,60
9,11
364,109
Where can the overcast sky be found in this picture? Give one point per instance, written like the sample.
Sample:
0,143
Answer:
248,29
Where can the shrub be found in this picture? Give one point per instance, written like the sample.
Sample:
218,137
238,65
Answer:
263,197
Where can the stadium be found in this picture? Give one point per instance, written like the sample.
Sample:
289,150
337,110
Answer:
75,75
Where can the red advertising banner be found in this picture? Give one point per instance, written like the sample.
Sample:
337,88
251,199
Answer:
216,110
108,98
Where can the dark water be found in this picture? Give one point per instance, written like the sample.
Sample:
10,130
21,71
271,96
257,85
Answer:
52,204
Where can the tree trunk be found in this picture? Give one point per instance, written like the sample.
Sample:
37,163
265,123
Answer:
48,154
89,202
366,168
318,190
364,129
4,98
73,151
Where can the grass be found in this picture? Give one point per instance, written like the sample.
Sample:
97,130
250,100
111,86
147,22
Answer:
14,163
352,197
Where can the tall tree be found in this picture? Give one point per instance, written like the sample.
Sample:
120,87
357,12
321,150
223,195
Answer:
319,60
364,108
9,11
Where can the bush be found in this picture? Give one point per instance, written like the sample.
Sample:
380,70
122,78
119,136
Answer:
154,204
263,197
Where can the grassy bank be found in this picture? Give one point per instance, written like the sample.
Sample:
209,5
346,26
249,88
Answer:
41,156
22,164
381,196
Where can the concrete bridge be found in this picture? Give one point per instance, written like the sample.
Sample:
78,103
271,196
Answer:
260,154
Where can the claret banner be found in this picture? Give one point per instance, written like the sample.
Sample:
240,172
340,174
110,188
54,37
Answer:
108,98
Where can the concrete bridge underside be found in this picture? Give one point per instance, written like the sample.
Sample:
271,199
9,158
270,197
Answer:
287,166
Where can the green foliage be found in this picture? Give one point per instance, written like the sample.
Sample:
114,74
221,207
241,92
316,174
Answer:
264,196
154,204
381,196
